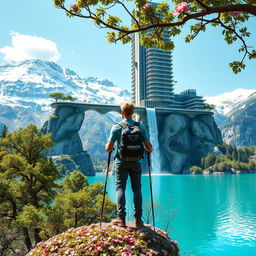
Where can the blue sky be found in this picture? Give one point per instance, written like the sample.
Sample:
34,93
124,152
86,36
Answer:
80,46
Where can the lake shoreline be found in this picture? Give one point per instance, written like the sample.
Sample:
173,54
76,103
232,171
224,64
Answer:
232,172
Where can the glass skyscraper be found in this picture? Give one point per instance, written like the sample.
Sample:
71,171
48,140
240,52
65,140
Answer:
152,78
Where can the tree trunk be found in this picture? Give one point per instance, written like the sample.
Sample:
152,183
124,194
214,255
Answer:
36,234
27,239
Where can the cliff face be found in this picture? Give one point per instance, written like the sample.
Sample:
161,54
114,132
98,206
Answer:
184,140
64,126
239,129
235,114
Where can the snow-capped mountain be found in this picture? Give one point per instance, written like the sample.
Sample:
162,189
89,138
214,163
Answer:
227,102
25,86
235,113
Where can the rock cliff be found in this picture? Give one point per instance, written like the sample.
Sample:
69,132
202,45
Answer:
64,125
185,139
239,129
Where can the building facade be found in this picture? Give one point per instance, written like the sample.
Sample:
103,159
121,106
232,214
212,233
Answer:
152,76
188,100
152,79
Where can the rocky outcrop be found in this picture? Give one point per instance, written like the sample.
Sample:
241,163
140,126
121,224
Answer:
239,129
64,126
108,240
68,163
185,139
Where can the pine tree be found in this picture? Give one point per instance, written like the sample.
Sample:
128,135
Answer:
4,132
27,180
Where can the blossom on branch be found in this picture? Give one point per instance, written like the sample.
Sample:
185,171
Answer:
74,6
146,6
234,13
180,8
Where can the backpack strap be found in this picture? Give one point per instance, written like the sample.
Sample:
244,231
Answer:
137,124
123,124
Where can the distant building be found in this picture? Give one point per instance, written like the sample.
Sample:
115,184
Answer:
152,79
188,99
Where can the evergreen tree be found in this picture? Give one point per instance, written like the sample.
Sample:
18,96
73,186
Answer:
234,155
27,180
57,96
78,204
210,160
70,98
4,132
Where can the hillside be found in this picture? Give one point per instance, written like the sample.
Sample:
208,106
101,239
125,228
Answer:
25,86
235,114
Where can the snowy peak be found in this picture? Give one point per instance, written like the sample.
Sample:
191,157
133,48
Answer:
25,87
37,79
226,103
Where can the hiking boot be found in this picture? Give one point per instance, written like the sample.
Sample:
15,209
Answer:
119,222
138,222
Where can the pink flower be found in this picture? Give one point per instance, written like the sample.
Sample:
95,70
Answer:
131,241
144,251
74,6
234,13
146,6
181,7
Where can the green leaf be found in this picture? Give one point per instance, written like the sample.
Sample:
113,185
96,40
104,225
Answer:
237,66
111,37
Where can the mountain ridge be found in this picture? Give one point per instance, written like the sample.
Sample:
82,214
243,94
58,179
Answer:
25,86
235,114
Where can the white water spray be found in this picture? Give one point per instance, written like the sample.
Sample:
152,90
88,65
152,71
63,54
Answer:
153,133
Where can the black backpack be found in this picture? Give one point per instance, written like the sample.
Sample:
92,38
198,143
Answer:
131,142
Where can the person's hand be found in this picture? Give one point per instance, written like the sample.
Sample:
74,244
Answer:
148,146
109,147
149,150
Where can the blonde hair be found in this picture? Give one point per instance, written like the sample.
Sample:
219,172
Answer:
127,108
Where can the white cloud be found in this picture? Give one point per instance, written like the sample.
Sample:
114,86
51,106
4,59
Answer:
25,47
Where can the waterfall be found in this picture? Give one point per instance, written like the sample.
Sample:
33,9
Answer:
153,133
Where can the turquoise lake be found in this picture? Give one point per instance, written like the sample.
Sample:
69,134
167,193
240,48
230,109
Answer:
214,215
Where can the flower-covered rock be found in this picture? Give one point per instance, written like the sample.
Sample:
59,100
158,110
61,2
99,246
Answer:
108,240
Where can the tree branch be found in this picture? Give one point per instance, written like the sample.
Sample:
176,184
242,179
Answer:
203,25
239,36
136,21
202,4
220,9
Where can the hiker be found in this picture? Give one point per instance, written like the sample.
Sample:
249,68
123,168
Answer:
131,138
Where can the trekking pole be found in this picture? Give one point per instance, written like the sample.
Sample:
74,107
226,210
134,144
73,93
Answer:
105,188
151,193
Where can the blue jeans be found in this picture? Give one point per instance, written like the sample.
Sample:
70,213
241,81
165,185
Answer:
133,169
